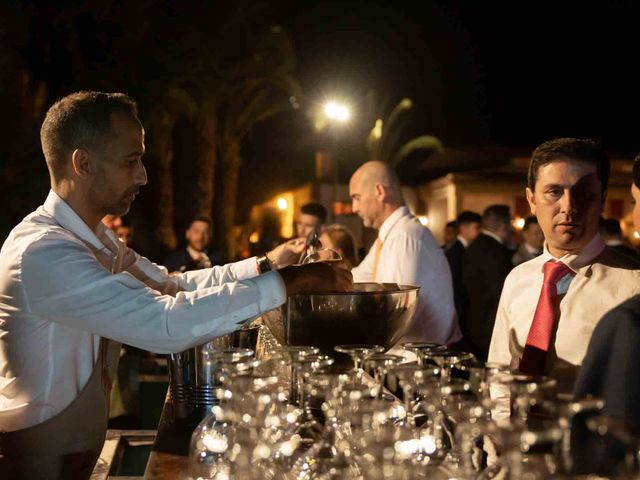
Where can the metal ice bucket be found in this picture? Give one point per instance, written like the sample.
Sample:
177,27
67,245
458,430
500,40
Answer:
190,378
371,314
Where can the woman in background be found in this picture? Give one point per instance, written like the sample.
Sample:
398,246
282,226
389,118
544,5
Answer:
338,237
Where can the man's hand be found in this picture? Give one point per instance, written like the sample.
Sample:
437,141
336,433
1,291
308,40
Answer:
319,277
286,254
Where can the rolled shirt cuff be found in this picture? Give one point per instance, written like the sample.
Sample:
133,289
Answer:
247,268
272,290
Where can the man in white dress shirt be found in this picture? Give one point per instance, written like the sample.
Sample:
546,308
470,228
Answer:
405,252
67,284
550,305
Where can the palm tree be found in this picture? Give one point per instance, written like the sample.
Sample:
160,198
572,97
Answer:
384,141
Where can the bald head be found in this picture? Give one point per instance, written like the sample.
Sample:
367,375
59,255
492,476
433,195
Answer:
375,192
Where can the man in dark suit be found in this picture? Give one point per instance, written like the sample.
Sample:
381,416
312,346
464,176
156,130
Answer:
468,224
485,265
196,255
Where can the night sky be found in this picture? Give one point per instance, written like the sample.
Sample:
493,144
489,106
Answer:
480,73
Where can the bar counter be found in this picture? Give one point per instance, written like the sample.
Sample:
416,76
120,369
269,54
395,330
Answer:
170,454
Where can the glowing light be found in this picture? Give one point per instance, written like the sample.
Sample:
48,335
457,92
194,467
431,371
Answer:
518,223
282,203
636,234
377,129
215,442
254,237
424,220
337,111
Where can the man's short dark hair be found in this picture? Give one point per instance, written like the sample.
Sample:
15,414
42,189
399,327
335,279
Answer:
452,224
530,220
468,216
80,120
201,218
636,171
578,149
495,216
315,209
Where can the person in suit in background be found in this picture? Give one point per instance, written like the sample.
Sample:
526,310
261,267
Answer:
196,255
485,265
533,238
469,224
450,234
612,235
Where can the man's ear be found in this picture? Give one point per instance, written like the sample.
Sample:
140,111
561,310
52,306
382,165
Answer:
381,191
531,199
82,164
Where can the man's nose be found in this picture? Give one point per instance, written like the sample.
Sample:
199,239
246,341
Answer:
141,175
568,202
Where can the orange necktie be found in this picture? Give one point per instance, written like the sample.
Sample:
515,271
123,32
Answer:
376,259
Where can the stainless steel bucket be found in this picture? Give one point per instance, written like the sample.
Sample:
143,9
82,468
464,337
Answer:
191,381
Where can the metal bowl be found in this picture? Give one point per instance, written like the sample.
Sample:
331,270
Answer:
373,314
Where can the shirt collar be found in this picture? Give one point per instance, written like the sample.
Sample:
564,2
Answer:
581,262
391,220
70,220
492,235
463,241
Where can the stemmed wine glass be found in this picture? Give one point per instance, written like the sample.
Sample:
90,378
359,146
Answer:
358,352
380,363
423,350
293,353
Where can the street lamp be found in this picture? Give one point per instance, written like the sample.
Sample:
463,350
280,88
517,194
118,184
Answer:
336,111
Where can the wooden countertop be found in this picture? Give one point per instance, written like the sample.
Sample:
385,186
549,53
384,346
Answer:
169,457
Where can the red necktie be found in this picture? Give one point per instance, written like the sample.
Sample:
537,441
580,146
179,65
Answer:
534,357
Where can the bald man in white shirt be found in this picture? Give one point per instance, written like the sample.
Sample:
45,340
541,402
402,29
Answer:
405,252
67,284
551,304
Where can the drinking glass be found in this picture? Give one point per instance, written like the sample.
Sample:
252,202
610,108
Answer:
423,350
358,352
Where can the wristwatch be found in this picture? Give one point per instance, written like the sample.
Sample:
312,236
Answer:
264,265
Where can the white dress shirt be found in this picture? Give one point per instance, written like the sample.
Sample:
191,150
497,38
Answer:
410,255
63,285
600,279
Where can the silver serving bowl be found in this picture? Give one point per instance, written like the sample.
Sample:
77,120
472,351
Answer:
372,314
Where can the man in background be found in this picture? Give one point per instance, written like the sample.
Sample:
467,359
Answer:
468,228
404,252
533,240
312,217
612,236
450,233
196,254
486,263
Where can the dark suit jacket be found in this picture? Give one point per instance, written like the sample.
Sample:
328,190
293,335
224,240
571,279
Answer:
181,261
454,254
609,371
485,265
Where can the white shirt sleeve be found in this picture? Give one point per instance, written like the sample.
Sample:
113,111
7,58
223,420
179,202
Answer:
499,353
75,290
363,272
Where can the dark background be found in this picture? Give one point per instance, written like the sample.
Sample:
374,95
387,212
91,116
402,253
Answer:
479,73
